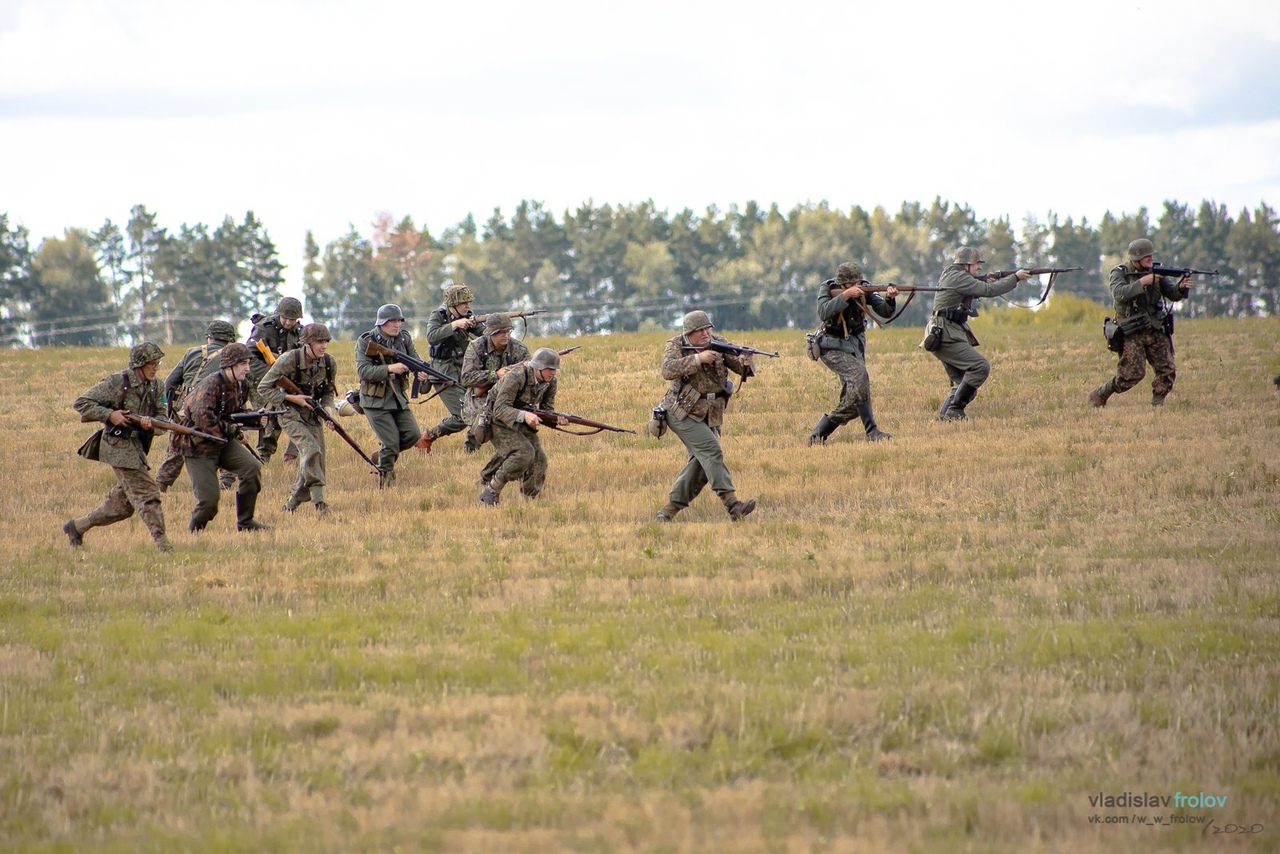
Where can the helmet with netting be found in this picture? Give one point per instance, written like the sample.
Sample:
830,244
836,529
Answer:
220,330
457,294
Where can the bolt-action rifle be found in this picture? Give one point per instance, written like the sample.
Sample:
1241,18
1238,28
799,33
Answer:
1035,271
174,427
523,315
552,420
318,408
417,366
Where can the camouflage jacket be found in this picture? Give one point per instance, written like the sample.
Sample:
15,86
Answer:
196,364
518,389
1139,308
449,346
379,388
122,447
697,391
278,339
842,318
480,365
209,408
316,377
960,290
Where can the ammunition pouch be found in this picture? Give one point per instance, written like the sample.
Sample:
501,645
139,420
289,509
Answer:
955,315
932,336
1112,331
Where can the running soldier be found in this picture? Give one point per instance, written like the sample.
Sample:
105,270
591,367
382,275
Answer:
450,329
489,358
843,309
947,334
515,431
124,446
383,395
196,364
694,405
1146,322
313,371
209,408
279,334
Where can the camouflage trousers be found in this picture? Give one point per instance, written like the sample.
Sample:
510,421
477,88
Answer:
522,459
1149,345
855,384
705,464
307,436
471,406
135,491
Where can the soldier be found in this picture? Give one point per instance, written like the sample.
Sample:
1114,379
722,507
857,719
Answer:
694,405
843,308
124,446
450,329
383,396
209,408
280,335
196,364
515,431
313,371
947,334
1146,323
489,358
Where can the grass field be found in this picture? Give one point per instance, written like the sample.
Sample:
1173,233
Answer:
949,642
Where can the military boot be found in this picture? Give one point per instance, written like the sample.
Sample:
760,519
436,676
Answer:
738,510
489,497
245,505
322,509
874,433
386,479
946,404
73,533
1157,399
824,428
163,544
962,397
1100,395
667,513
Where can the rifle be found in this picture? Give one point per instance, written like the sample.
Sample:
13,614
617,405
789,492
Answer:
174,427
373,348
253,420
727,349
569,350
1179,272
1035,271
292,388
265,351
550,419
523,315
867,287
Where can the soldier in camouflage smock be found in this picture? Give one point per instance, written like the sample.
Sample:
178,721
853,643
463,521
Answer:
209,408
383,395
843,309
489,358
450,330
313,371
515,431
694,405
947,334
124,445
280,333
196,364
1146,322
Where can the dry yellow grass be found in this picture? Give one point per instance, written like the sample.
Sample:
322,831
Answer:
946,642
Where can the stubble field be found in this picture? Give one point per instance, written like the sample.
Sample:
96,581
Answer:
948,642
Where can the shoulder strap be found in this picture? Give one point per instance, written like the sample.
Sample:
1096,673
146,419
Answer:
124,387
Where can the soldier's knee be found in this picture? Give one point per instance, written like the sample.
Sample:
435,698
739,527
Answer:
978,374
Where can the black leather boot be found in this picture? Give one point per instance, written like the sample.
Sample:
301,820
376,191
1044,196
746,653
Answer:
824,428
962,397
245,505
874,433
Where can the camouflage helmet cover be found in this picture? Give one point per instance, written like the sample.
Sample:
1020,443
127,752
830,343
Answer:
1140,249
144,353
498,322
314,332
233,354
290,307
695,320
457,294
968,255
220,330
545,358
849,274
388,312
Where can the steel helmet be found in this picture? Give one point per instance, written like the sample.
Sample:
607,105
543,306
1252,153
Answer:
220,330
545,358
849,274
314,332
455,294
1140,249
390,311
290,307
144,353
498,322
233,354
968,255
695,320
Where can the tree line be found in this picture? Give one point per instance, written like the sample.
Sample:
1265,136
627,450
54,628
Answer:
595,269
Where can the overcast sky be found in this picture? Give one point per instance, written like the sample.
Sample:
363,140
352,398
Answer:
316,115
